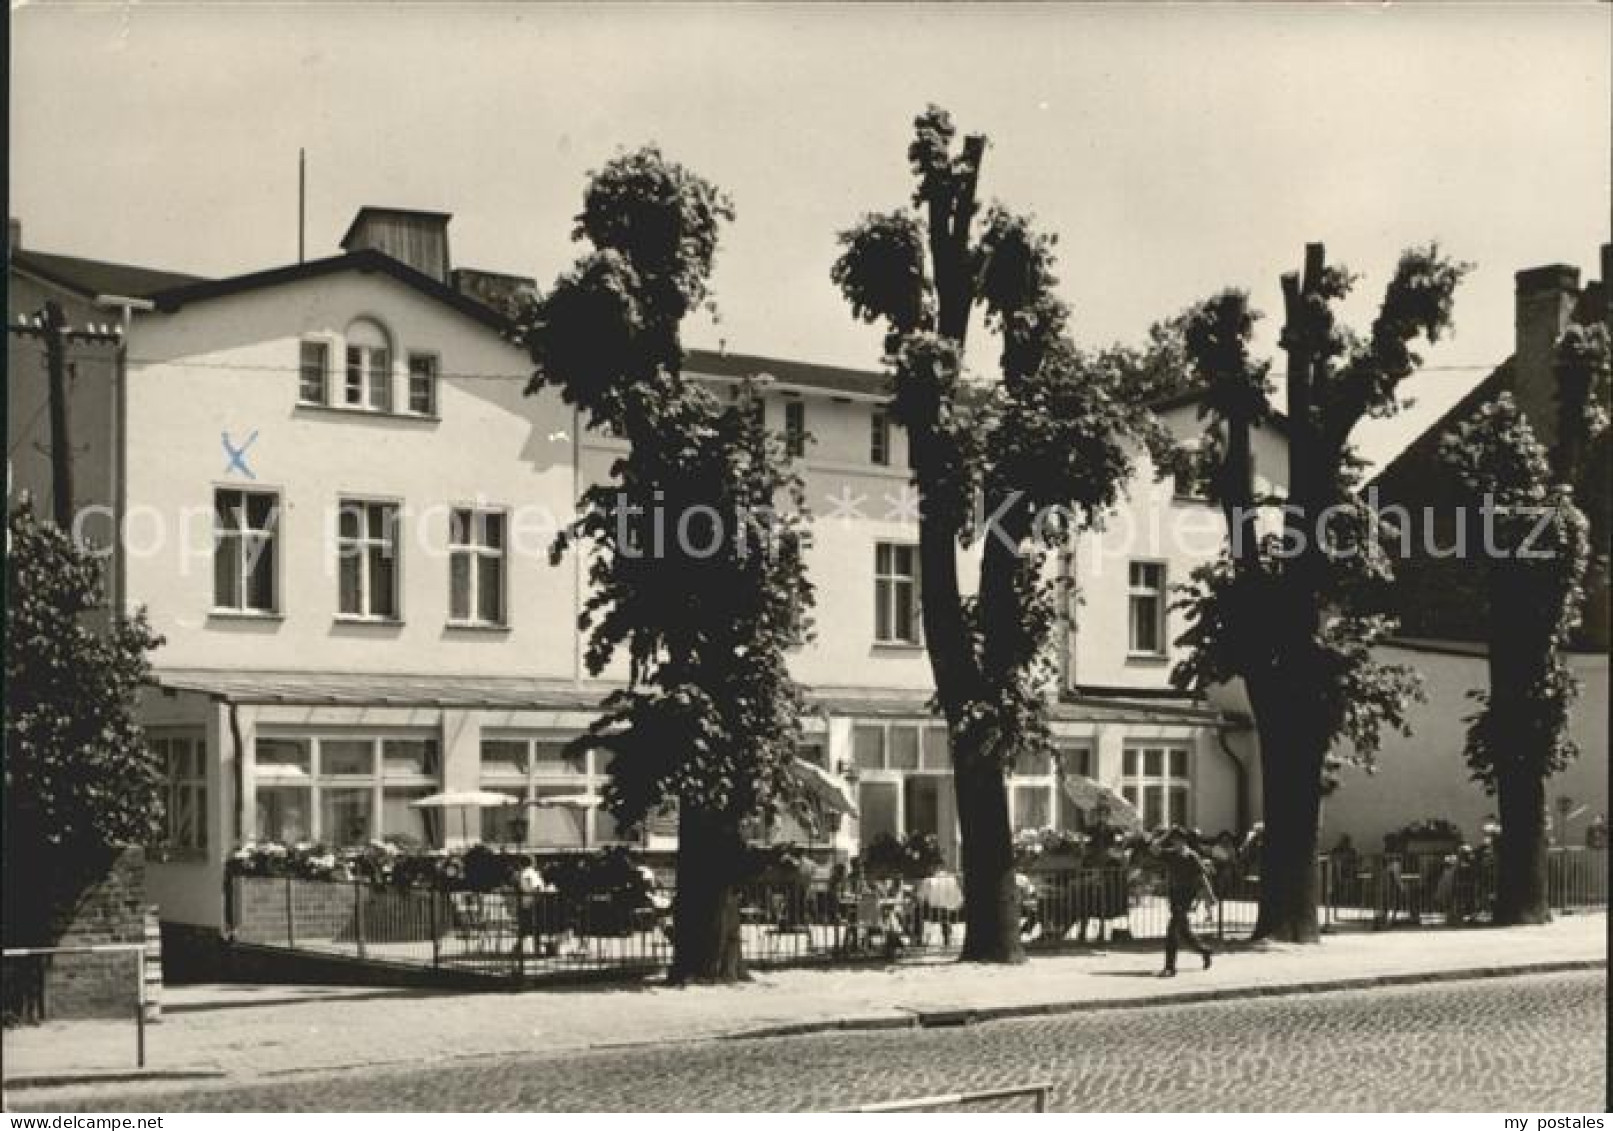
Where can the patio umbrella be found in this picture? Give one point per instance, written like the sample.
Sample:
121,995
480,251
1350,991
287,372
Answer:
568,801
1087,795
463,800
829,791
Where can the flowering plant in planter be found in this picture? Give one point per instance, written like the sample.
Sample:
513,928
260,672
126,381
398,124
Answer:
916,858
1430,834
304,860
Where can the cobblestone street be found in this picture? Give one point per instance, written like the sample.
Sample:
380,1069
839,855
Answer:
1529,1043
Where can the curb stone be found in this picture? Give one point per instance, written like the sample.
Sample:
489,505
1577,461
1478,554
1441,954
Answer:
112,1076
907,1018
970,1015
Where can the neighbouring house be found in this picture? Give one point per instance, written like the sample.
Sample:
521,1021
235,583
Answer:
336,502
1441,602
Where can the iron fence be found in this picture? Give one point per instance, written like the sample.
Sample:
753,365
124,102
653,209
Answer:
546,935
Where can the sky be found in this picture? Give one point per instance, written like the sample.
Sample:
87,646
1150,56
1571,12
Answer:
1176,150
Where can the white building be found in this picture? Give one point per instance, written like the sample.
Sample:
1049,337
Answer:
337,500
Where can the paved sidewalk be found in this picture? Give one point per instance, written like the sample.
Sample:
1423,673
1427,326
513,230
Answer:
262,1031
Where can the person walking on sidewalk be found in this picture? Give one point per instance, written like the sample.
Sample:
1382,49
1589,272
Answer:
1186,879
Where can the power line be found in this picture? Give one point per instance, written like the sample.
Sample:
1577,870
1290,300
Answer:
151,362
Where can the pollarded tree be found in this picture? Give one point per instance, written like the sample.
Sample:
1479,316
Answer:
1294,615
1535,558
696,569
79,777
1043,453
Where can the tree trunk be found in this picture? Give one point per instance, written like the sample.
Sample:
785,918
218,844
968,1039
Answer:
705,914
991,898
1520,888
1291,804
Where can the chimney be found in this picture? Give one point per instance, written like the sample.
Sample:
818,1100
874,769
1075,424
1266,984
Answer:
13,234
416,239
1545,300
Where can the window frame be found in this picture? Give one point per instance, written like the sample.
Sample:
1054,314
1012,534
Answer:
364,541
879,438
304,370
795,431
1136,592
433,381
1136,779
375,368
177,783
590,778
268,535
318,783
932,741
887,587
476,550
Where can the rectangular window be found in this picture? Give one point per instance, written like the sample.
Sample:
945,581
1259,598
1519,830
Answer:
868,747
904,748
795,428
877,803
1147,598
245,527
369,378
184,762
896,594
1033,806
313,387
1076,760
345,790
476,567
423,384
879,439
1155,779
1033,763
560,795
937,749
367,559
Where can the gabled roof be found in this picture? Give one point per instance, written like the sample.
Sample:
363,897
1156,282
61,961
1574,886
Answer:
1412,458
366,261
1196,393
828,378
94,277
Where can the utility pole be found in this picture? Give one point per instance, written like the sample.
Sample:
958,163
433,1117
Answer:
49,325
302,201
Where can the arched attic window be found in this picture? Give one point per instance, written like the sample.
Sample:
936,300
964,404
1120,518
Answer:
369,366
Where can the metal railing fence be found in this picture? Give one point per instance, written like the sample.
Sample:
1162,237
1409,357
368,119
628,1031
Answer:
542,935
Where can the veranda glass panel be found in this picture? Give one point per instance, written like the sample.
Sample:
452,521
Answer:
283,756
400,821
1031,808
344,817
904,748
868,747
346,757
557,826
283,814
504,758
876,802
416,757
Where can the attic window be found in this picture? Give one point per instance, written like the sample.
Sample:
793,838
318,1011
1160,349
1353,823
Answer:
368,382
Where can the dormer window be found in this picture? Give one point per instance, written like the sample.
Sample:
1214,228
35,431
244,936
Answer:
369,367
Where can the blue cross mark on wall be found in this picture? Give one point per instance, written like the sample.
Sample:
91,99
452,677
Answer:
237,455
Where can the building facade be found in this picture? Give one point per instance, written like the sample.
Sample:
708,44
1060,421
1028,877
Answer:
1442,606
336,501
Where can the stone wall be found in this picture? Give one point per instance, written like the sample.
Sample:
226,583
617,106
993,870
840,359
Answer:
107,906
